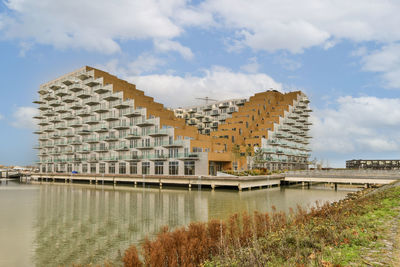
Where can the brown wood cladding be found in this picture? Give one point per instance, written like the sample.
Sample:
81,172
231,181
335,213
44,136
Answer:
246,127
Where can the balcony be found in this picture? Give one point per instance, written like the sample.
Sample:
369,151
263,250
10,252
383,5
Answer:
157,157
39,102
84,150
110,138
61,126
39,131
83,113
76,142
84,131
75,123
49,129
43,123
68,99
133,135
207,108
100,129
122,148
91,140
55,119
76,87
49,97
121,125
121,104
101,149
61,110
176,143
91,82
92,101
91,121
38,117
76,106
144,146
224,105
101,90
55,136
192,122
158,132
110,96
43,137
101,109
111,117
188,156
49,113
68,134
68,116
42,91
133,113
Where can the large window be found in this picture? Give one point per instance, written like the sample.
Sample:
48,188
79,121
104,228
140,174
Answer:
159,167
189,167
145,167
92,167
133,167
84,168
173,168
111,168
173,152
102,168
122,168
69,168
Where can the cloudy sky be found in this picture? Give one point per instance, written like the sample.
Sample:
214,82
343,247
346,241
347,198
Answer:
345,55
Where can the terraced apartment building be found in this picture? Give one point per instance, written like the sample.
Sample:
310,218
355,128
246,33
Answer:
92,122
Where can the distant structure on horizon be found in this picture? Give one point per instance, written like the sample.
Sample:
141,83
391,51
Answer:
92,122
377,164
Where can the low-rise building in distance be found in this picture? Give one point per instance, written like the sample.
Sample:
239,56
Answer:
377,164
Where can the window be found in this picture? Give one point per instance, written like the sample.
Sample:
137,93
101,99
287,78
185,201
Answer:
43,168
133,167
111,168
159,167
92,167
69,168
173,168
189,167
173,152
145,167
84,168
102,168
122,168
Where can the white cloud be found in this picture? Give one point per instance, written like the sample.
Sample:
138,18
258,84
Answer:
217,83
297,25
385,61
1,116
260,24
252,66
96,25
168,45
357,125
23,118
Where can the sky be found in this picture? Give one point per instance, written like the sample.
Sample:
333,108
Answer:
345,55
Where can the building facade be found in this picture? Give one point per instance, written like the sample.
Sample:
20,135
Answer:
373,164
93,122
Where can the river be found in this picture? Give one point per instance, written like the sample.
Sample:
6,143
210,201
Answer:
61,224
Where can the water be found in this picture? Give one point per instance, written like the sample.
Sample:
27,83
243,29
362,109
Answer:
54,224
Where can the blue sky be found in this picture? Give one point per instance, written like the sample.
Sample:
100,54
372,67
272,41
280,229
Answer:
344,56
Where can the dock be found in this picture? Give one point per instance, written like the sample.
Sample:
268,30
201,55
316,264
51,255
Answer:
236,182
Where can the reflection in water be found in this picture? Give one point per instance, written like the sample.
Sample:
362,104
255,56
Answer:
84,224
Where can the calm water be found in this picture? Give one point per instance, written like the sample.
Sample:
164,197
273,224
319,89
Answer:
53,224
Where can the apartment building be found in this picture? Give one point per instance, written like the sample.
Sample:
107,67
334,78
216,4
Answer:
377,164
92,122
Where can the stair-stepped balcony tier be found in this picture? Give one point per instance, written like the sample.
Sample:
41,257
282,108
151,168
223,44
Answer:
158,132
111,117
100,129
68,81
101,89
84,132
40,102
49,113
39,117
91,121
83,94
121,126
92,101
68,116
61,92
61,110
91,82
121,148
49,97
77,106
133,136
83,113
175,143
76,87
111,96
110,138
145,123
134,113
101,109
122,104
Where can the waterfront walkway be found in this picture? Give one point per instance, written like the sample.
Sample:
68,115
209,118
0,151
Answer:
335,177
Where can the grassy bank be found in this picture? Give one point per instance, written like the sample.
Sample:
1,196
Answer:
354,231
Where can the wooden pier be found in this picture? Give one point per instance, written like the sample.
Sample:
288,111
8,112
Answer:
237,182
